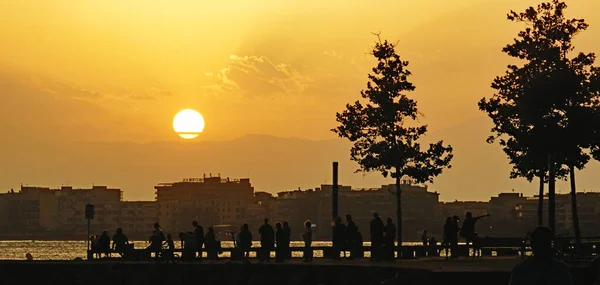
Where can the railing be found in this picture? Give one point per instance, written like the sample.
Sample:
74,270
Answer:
407,252
488,246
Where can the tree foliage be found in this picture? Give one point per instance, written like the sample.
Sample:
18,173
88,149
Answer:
384,139
550,106
546,105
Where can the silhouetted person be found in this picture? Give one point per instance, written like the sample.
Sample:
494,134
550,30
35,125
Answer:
120,242
280,253
424,238
156,240
188,251
94,245
377,231
307,237
468,229
542,268
170,248
104,243
245,240
351,236
448,237
210,243
433,246
288,238
199,233
267,240
358,249
339,238
454,241
390,238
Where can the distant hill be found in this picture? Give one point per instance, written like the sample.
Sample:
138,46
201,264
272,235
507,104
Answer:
273,164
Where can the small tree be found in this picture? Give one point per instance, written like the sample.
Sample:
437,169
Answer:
383,138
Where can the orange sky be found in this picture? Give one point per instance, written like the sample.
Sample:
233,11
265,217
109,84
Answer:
107,71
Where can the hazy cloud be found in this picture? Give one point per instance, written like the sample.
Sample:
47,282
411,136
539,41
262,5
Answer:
149,94
256,76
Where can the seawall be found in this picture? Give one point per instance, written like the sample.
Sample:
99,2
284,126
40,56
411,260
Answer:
108,273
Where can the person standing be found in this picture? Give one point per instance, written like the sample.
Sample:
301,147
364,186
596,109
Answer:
307,237
454,240
390,238
199,233
120,242
424,238
468,229
210,243
280,241
245,241
339,232
288,238
448,236
267,240
351,236
156,240
377,231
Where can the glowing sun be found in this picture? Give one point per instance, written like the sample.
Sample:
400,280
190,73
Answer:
188,124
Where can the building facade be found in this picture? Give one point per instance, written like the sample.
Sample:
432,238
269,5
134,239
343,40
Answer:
208,200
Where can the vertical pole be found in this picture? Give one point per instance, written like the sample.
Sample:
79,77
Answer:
334,194
88,234
334,205
540,212
398,217
552,194
90,256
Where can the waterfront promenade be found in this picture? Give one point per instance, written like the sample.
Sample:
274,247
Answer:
488,271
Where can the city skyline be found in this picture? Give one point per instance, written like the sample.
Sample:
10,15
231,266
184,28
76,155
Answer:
204,176
41,212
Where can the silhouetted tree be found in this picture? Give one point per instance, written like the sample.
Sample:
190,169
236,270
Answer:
541,109
384,130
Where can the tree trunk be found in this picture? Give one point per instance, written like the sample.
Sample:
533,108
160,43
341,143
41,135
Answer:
575,216
399,215
551,194
540,211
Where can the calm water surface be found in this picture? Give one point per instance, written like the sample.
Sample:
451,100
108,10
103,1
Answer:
69,250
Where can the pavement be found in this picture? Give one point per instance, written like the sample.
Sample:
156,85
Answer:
435,264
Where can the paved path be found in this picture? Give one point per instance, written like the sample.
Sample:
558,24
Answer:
490,264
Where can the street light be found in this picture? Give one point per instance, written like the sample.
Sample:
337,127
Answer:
89,215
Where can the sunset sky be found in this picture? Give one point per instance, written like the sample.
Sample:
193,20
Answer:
113,74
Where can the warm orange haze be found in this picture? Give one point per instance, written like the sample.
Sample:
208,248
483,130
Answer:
90,90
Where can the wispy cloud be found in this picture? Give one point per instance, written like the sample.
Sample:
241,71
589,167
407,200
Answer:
256,76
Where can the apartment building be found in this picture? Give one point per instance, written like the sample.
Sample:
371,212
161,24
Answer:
208,200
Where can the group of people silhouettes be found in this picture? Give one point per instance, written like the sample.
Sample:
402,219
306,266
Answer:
452,231
101,244
346,238
193,241
278,239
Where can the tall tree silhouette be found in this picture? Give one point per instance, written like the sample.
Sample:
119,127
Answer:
385,131
549,98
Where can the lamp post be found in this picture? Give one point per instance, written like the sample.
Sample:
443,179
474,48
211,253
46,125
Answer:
89,215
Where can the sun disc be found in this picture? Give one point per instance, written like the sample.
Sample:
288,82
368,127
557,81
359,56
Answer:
188,124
